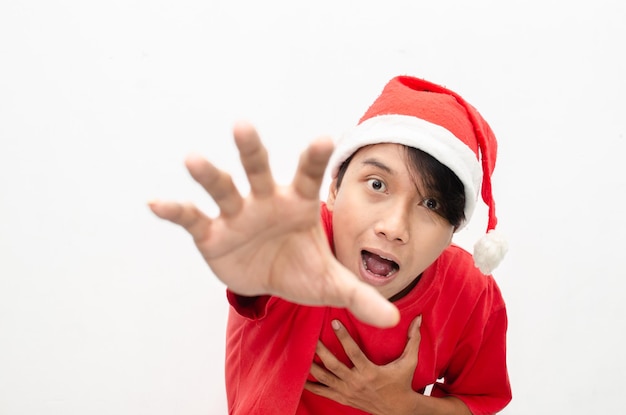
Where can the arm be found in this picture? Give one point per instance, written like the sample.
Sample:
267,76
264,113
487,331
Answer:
376,389
272,242
477,373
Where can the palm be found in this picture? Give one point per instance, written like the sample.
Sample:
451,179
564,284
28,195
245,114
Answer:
269,238
272,241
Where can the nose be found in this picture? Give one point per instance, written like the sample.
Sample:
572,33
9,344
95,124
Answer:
393,224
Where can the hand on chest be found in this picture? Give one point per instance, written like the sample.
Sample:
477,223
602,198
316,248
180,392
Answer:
387,346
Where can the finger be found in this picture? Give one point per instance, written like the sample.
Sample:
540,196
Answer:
254,159
332,364
311,168
186,215
414,338
323,376
353,351
217,183
367,304
322,390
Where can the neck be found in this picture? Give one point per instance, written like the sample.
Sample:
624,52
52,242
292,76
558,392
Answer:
405,290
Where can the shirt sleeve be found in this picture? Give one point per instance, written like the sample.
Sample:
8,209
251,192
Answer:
478,373
253,308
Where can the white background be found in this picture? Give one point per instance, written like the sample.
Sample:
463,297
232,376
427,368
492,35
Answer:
104,309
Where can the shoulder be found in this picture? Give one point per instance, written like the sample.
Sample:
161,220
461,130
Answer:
456,262
455,272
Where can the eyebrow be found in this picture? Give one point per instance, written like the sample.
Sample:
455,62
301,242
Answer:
378,164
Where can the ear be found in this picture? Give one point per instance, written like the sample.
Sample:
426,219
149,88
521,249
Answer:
332,195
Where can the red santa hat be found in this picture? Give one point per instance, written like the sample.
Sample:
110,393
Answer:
420,114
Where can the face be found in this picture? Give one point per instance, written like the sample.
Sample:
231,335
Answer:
386,229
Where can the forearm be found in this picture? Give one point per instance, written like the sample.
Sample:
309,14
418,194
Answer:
418,404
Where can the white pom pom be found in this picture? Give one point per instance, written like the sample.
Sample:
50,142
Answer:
489,251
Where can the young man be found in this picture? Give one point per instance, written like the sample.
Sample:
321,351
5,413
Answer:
360,311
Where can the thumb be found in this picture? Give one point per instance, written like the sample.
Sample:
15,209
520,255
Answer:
414,338
367,304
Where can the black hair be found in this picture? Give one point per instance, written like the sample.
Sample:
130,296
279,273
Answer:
438,181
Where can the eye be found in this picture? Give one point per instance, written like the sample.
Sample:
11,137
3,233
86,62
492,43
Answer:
376,185
430,203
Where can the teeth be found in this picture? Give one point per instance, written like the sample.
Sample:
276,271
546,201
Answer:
388,274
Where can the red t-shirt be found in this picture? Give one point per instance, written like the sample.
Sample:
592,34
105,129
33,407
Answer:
270,343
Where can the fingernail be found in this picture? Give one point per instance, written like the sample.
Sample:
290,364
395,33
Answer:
419,320
335,324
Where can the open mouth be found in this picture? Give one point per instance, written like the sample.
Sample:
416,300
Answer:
378,265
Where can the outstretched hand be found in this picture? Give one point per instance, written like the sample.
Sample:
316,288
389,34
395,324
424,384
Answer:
272,241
